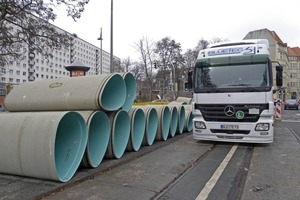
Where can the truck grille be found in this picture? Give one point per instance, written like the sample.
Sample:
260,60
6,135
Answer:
215,112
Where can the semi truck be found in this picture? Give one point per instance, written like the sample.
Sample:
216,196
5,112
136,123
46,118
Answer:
233,92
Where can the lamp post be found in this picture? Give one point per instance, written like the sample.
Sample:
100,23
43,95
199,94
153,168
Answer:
111,37
100,38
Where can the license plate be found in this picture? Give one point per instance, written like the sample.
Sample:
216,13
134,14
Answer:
223,126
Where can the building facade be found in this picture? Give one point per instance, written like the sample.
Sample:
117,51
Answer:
288,57
293,84
34,67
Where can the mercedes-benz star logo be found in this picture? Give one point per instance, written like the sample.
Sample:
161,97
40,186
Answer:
229,111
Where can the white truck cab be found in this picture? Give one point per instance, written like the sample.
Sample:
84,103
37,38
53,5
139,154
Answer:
232,92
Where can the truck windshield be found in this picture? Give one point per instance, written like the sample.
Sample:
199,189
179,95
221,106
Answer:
236,77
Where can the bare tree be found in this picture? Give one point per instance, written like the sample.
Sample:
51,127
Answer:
25,27
145,47
170,59
190,57
217,40
125,64
137,71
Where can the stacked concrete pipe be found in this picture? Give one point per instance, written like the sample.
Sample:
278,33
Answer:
120,131
181,115
47,145
188,118
81,121
184,100
137,129
105,92
151,118
164,121
174,120
130,84
98,137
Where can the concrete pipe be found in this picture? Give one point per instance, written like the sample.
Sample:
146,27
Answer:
177,103
47,145
151,119
98,137
106,92
119,135
181,116
185,100
174,120
137,129
188,121
130,91
164,120
188,107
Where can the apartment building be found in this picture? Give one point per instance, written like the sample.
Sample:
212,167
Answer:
288,57
34,66
293,84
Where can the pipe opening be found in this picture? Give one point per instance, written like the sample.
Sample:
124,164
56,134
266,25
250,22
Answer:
137,129
189,121
113,94
120,133
99,131
151,126
165,122
70,143
174,121
181,120
130,91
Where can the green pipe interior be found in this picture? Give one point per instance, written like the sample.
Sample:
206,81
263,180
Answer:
70,143
99,131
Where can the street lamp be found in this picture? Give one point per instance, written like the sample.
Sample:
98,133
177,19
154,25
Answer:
100,38
111,37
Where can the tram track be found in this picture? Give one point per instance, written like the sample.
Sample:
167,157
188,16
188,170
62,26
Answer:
186,171
238,181
291,130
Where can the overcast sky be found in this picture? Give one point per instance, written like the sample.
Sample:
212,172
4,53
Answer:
185,21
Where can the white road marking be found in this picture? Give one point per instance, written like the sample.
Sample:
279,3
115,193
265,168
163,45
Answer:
213,180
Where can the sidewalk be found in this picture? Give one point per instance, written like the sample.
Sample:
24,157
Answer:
275,168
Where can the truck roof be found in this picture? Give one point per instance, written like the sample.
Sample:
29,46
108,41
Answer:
240,42
235,48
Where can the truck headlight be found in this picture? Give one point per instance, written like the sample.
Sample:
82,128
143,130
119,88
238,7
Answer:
199,125
262,127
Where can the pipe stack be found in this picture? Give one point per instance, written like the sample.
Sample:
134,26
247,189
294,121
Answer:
55,126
